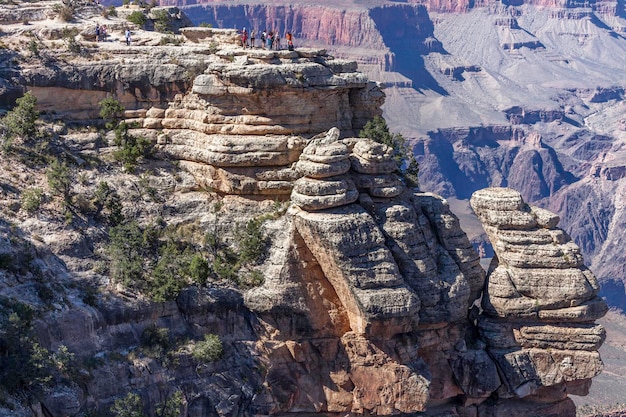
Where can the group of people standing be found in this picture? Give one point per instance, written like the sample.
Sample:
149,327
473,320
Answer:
101,34
269,40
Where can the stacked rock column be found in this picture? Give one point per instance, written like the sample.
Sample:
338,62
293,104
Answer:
323,164
540,302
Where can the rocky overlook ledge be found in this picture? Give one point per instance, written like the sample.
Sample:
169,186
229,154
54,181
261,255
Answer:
371,300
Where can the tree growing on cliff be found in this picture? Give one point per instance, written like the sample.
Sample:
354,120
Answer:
26,366
129,406
69,37
138,18
208,350
130,148
111,111
377,130
64,11
21,120
108,203
60,179
172,405
161,20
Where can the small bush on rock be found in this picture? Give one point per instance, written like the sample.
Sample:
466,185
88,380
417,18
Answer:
111,111
33,47
377,130
208,350
131,147
69,37
138,18
60,180
129,406
31,199
64,12
199,269
108,203
172,406
161,21
170,40
251,240
111,11
20,121
127,251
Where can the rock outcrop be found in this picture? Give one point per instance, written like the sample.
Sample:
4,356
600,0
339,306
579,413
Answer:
369,301
540,301
236,128
485,76
390,277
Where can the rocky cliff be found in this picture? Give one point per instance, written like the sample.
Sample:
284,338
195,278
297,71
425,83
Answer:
485,90
367,298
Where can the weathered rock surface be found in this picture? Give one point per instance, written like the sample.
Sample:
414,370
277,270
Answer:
368,304
245,114
508,81
537,267
540,301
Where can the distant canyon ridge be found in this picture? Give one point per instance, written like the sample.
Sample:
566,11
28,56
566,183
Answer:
523,94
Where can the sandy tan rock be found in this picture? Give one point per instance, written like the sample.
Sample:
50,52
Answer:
313,195
382,185
534,270
570,336
545,218
323,160
243,181
322,202
211,35
380,385
540,300
499,199
233,150
369,157
322,170
351,252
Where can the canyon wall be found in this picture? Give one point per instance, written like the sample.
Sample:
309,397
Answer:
369,302
485,90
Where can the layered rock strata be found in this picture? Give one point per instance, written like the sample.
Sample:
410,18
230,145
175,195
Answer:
540,301
369,304
236,118
388,278
236,129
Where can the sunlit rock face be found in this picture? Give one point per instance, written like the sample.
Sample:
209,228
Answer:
540,301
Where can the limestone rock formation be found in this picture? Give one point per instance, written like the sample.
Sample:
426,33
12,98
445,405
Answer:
385,277
236,127
540,301
369,296
322,165
452,96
